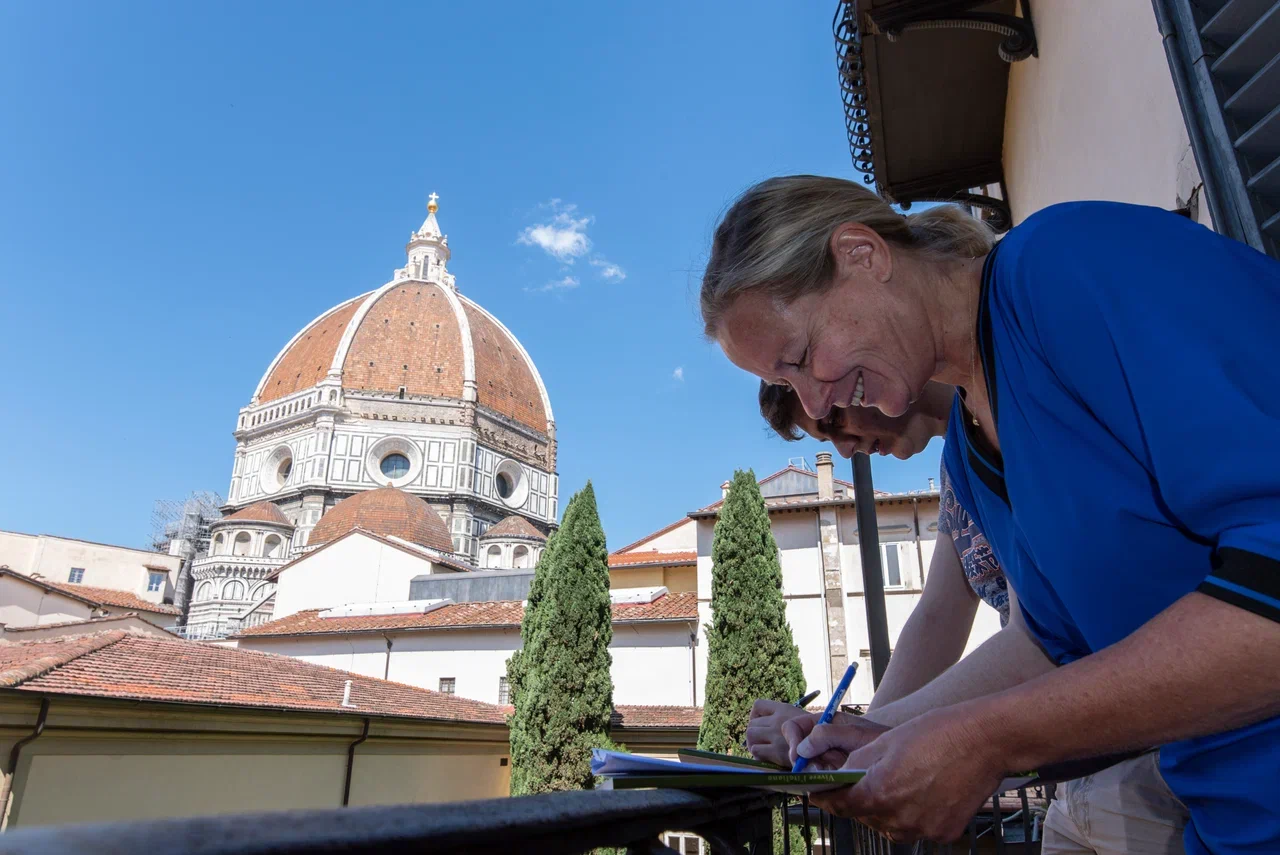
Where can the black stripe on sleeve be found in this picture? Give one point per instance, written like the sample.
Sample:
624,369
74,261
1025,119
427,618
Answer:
1245,579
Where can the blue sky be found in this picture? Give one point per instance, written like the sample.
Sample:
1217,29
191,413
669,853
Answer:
183,186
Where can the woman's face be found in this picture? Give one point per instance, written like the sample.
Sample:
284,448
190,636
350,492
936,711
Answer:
867,429
864,341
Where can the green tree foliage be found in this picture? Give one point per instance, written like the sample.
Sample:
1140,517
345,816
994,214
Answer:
750,652
560,681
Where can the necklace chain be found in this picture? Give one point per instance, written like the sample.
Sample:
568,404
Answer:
973,357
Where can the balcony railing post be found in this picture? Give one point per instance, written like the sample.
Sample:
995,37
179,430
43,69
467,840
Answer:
872,575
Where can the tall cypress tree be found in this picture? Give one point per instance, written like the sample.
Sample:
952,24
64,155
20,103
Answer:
750,651
560,681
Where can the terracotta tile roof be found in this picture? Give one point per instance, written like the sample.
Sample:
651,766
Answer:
308,359
508,614
681,606
97,596
409,337
259,512
118,664
90,624
504,378
514,526
637,717
386,511
632,559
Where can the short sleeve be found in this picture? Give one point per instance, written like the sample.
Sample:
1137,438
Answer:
1169,334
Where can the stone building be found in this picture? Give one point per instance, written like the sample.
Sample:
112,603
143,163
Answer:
412,386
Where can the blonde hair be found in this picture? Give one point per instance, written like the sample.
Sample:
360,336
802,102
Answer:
776,237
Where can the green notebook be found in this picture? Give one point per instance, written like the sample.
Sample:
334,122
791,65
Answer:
780,782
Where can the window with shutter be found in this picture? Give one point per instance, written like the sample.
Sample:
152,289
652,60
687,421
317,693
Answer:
1224,56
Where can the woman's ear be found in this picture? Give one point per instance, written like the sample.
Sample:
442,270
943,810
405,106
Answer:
859,252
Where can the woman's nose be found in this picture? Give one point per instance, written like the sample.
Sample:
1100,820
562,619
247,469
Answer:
815,398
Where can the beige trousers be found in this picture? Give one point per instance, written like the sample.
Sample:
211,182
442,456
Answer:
1125,809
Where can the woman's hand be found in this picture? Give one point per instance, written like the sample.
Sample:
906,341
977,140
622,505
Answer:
765,739
835,742
925,779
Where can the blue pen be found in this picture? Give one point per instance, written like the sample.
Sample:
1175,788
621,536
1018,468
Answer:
829,713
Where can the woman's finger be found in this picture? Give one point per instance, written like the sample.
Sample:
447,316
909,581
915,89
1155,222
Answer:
845,738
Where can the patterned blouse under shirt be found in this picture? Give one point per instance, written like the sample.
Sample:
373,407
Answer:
976,558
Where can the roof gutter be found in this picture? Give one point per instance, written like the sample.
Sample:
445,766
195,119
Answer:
6,788
351,762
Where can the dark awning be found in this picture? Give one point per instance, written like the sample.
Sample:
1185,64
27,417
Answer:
924,84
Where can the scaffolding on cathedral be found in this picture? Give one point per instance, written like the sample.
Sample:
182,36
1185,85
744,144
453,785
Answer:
181,526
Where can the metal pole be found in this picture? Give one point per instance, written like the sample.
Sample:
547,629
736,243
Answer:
872,575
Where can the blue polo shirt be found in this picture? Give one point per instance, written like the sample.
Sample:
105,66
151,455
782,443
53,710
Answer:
1134,364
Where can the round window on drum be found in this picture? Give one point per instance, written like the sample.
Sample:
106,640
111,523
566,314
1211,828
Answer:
395,465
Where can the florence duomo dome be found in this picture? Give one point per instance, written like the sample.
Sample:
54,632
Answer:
411,385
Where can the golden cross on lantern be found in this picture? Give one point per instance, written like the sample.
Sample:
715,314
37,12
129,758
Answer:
431,203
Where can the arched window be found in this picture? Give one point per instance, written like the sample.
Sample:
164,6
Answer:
233,590
241,546
494,558
273,547
219,544
520,559
261,591
205,591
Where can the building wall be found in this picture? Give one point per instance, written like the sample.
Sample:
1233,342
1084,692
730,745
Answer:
678,580
163,762
652,664
796,533
23,604
682,538
117,567
1072,133
354,569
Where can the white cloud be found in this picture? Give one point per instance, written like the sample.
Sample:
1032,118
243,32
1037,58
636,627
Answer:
678,374
558,285
609,270
564,238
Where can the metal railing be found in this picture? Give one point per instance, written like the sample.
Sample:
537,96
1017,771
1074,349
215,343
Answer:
634,821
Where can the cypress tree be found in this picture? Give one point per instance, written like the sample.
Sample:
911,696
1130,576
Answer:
560,680
750,651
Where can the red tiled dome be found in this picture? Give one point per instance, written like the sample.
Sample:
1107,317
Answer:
388,512
260,512
514,526
410,335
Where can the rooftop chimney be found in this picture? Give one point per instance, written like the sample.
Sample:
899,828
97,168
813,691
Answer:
826,475
931,486
346,694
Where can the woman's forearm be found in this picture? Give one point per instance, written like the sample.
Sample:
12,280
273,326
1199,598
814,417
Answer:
1179,676
935,634
1008,658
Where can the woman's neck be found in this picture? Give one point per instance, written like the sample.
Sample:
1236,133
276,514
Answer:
955,320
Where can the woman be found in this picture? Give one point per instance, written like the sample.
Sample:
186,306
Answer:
1126,809
1118,371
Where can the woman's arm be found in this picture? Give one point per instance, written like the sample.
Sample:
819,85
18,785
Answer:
935,635
1006,659
928,776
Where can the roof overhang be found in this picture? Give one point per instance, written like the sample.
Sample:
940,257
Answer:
924,84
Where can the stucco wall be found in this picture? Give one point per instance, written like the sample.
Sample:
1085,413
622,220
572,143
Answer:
651,662
23,604
158,763
355,569
117,567
680,579
682,538
1080,128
